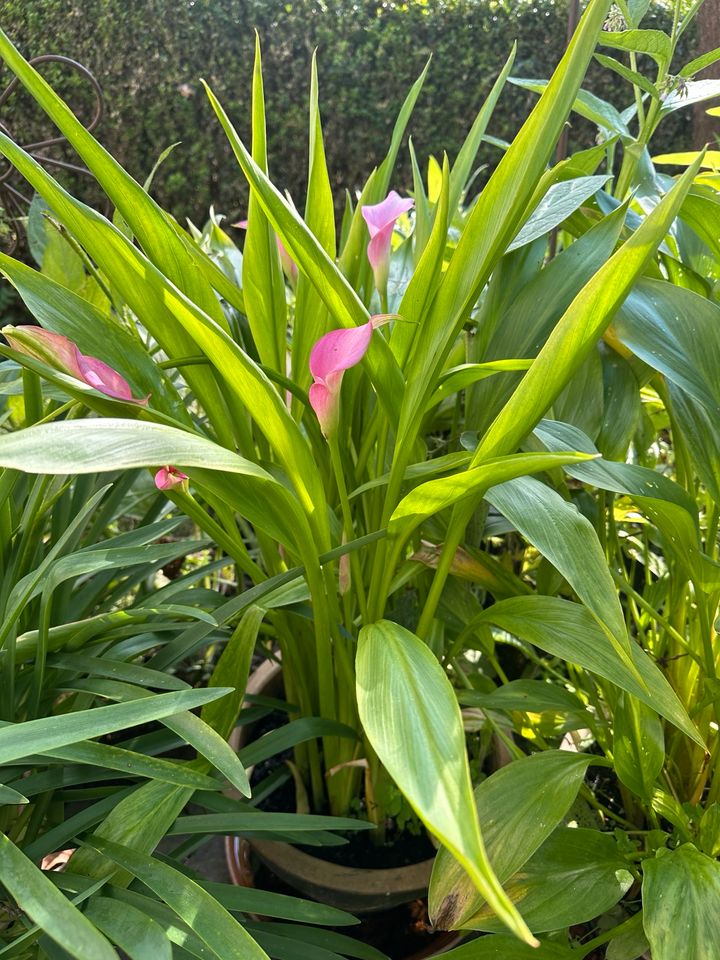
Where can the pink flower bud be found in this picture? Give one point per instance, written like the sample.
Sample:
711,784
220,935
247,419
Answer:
61,353
168,477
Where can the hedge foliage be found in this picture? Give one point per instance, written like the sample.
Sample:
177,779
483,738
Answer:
150,54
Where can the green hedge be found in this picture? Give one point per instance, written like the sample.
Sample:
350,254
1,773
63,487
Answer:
149,55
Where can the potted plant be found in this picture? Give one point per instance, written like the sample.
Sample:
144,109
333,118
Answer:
307,415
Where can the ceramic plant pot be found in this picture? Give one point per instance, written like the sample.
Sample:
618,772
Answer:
362,892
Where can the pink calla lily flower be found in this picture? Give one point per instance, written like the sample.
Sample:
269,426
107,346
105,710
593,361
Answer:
60,352
380,219
168,477
331,356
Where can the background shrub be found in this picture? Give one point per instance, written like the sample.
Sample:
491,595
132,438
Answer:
149,55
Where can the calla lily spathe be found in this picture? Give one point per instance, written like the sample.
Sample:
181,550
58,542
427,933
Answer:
60,352
381,219
331,356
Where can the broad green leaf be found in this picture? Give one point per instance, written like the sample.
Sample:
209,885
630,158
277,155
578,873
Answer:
10,797
634,10
225,937
559,202
531,317
232,670
653,324
92,446
694,91
638,745
519,806
498,947
43,903
431,497
710,161
569,541
296,942
34,736
569,631
666,503
457,378
654,43
134,932
411,717
681,904
575,876
587,105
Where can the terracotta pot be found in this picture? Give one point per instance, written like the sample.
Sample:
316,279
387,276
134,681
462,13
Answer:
361,892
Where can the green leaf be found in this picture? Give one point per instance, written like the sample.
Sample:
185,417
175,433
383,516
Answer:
638,745
575,876
10,797
582,324
681,904
503,948
35,736
569,541
496,218
43,903
311,316
587,105
666,503
227,939
190,728
136,934
435,495
569,631
530,696
250,900
559,202
654,43
232,670
107,444
632,76
411,717
519,806
700,63
290,734
263,284
255,821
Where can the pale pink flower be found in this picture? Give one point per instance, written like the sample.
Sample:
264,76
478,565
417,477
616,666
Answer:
380,219
331,356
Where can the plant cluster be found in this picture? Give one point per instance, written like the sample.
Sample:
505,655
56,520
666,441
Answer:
454,465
